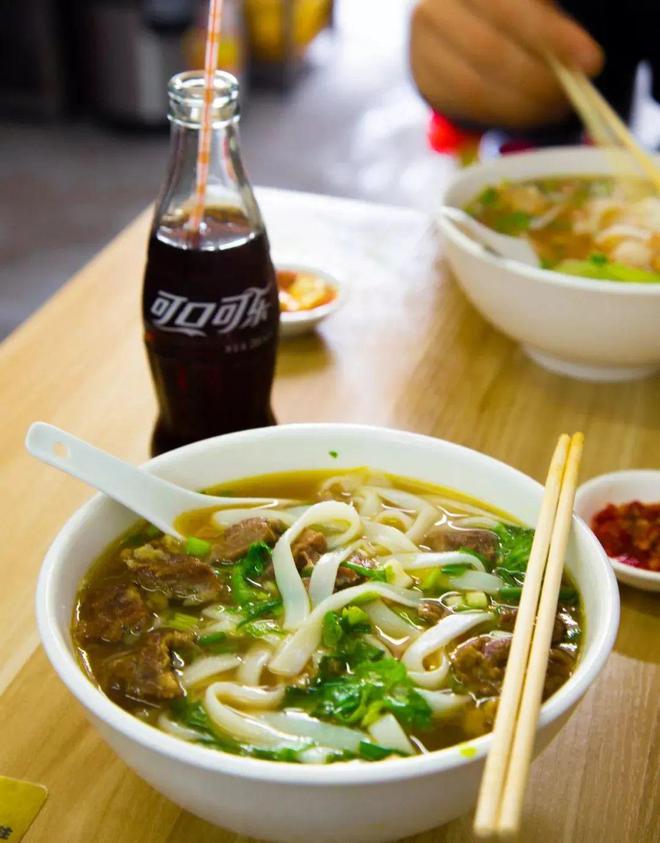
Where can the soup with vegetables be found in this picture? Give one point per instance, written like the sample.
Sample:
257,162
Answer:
359,616
598,227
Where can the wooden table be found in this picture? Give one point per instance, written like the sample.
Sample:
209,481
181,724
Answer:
407,351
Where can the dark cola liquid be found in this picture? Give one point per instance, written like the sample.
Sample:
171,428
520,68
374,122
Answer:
211,319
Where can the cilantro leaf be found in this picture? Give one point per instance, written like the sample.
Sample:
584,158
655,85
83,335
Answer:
515,547
358,684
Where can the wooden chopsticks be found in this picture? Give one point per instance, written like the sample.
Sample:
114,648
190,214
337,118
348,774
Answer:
507,766
601,121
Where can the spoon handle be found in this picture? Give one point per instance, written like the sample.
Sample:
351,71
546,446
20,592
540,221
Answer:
156,500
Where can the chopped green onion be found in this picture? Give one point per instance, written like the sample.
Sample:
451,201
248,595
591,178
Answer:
489,196
373,751
354,615
181,621
259,628
217,642
453,601
334,454
476,600
332,631
378,574
454,570
568,595
432,580
197,547
257,609
510,593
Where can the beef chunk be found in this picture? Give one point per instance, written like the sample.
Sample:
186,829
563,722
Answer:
479,665
147,672
444,538
308,547
163,566
346,577
508,615
237,539
431,611
560,666
110,611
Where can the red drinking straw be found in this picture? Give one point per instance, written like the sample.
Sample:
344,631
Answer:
204,147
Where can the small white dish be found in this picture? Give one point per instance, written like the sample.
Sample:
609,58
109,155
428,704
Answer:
294,324
621,487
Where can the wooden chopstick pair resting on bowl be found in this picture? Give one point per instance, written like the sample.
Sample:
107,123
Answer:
507,766
604,125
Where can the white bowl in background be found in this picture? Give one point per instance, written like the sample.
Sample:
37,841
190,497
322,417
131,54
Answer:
581,327
350,802
621,487
294,324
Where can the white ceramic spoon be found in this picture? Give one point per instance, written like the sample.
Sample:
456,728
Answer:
514,248
157,500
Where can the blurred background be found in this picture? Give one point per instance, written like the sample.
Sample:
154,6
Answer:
328,107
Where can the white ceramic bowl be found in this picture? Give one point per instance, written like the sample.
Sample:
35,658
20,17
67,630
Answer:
338,803
621,487
294,324
588,329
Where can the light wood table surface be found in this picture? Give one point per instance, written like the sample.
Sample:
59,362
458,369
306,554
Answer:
406,351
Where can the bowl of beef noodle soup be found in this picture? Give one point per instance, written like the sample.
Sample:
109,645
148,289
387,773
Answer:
591,308
337,653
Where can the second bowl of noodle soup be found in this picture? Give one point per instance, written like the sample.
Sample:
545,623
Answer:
572,317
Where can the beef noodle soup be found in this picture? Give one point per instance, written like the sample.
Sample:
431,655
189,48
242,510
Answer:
600,227
360,616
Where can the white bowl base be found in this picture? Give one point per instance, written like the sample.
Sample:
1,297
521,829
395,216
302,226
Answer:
584,372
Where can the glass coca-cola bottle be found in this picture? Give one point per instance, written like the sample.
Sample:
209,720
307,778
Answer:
210,304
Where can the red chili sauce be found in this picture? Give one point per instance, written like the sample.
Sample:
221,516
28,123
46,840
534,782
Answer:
630,533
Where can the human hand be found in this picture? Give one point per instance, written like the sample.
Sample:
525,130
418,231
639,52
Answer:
482,60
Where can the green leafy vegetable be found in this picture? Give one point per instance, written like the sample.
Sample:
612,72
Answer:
217,642
197,547
254,563
260,628
489,196
375,752
607,271
568,595
598,258
193,715
357,684
515,546
254,610
334,454
378,574
247,594
356,618
513,222
332,631
509,594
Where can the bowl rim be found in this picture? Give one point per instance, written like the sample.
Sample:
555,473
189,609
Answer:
314,314
545,276
339,773
630,572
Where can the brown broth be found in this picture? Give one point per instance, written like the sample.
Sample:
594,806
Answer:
110,568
